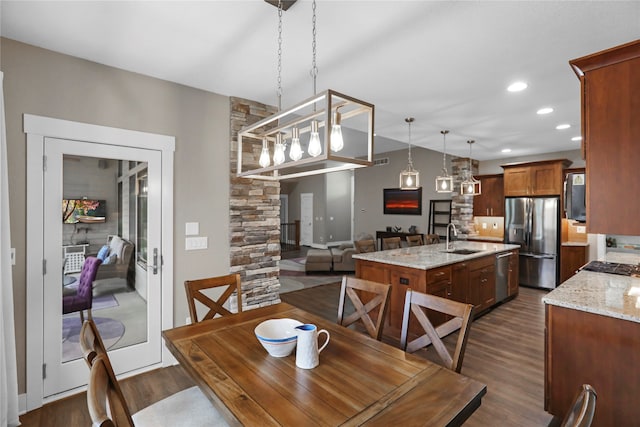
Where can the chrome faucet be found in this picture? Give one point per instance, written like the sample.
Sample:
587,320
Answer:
455,233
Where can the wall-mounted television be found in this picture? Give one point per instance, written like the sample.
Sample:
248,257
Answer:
402,202
86,211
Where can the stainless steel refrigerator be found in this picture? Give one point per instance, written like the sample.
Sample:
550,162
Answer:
534,224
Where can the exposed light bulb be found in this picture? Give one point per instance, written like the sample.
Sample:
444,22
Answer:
470,188
264,156
295,152
278,151
409,181
315,148
444,185
337,143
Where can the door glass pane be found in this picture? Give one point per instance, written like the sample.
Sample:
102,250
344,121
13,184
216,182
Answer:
102,217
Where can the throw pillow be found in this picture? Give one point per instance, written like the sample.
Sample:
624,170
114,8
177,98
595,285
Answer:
116,246
111,259
102,253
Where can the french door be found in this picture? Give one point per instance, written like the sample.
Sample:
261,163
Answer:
95,193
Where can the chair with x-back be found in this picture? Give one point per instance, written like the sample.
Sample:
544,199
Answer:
391,243
414,240
365,246
415,303
583,408
230,284
108,407
365,296
91,341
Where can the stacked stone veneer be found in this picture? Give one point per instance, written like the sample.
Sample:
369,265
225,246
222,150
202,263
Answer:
254,216
462,206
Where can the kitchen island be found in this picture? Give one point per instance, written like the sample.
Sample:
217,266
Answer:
593,337
467,274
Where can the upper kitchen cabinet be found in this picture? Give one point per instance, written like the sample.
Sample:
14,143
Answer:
491,201
542,178
610,91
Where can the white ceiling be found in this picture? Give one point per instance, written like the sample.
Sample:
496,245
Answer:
446,63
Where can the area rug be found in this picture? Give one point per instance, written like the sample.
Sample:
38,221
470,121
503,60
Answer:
292,265
111,330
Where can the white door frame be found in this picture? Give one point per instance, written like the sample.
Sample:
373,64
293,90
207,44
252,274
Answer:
37,128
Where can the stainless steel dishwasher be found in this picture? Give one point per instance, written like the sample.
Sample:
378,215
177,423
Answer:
502,275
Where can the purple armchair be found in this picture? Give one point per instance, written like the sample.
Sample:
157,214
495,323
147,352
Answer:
83,299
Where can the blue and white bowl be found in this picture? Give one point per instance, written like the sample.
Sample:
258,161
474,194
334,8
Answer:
278,336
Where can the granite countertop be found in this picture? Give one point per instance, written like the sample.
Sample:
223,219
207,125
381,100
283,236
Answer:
427,257
606,294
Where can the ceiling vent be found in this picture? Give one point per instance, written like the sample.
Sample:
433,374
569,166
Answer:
381,162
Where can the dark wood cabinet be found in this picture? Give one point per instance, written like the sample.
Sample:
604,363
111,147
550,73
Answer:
572,257
460,282
482,283
587,348
610,92
491,201
542,178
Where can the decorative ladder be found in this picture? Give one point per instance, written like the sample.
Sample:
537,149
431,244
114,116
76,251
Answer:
439,217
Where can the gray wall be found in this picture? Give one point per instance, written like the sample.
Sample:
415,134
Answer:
369,182
338,216
43,82
332,195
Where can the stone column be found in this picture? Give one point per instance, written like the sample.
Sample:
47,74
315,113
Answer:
254,216
462,206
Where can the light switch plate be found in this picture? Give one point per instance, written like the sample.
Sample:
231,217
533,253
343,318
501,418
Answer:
195,243
192,228
581,229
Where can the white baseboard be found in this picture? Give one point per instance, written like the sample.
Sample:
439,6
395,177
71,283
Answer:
22,404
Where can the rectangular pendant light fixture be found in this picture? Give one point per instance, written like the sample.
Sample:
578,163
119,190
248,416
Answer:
311,119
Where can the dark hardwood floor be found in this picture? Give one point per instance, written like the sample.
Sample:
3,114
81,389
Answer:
505,351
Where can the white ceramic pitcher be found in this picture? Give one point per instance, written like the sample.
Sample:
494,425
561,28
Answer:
307,351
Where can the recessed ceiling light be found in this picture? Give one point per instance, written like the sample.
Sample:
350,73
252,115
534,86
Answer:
506,150
563,126
517,86
576,138
545,110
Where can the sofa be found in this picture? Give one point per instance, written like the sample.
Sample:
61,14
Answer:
342,257
332,259
117,260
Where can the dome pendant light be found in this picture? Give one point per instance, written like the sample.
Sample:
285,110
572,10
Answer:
470,186
444,183
409,178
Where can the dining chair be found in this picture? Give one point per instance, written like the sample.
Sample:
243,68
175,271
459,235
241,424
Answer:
108,406
414,240
583,408
364,246
391,243
83,298
365,296
91,342
462,316
230,283
431,239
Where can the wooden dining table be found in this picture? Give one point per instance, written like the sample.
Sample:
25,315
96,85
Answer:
359,381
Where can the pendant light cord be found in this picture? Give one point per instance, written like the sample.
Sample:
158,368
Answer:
314,68
444,153
409,121
279,91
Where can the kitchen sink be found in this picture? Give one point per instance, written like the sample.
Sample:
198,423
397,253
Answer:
462,251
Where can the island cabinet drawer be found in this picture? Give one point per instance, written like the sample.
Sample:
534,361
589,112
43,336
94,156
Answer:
438,275
480,263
